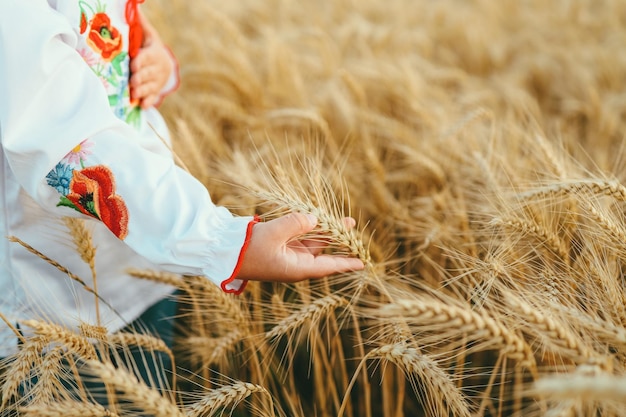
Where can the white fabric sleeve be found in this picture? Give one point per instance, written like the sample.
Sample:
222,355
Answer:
51,101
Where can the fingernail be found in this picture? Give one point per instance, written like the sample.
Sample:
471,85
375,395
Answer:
312,219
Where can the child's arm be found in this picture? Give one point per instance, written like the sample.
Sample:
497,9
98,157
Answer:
69,152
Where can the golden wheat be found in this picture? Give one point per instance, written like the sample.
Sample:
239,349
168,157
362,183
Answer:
432,384
225,396
486,164
133,390
462,321
66,408
311,313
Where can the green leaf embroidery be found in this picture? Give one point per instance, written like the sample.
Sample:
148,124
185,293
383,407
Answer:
134,117
65,202
91,208
112,80
117,62
113,99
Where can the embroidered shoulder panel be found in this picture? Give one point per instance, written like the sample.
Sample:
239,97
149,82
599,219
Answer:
103,44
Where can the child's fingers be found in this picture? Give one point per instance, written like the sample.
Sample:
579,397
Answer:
145,89
315,246
140,61
139,78
147,57
149,101
318,244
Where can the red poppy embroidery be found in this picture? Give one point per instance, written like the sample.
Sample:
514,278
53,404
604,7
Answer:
92,192
103,37
83,22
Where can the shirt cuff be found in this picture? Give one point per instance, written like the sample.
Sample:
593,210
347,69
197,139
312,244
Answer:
234,285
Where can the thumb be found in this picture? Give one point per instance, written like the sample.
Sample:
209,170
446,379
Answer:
296,224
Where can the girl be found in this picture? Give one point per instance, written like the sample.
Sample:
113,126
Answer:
79,80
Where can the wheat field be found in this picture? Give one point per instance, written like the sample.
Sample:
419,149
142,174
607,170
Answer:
479,146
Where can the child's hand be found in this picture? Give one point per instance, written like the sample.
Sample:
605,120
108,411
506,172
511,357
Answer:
275,253
151,68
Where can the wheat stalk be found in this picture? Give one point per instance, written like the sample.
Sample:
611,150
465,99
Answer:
64,270
82,238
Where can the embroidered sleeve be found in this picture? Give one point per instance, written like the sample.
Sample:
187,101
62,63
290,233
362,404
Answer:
159,210
51,102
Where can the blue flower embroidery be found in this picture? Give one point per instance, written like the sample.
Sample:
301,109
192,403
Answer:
60,178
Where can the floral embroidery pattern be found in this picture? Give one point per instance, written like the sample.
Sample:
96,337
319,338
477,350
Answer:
89,190
104,38
105,55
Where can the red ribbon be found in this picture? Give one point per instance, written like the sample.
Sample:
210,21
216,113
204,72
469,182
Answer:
135,33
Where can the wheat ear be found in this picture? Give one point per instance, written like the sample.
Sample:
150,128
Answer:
56,333
465,321
20,368
440,394
614,231
542,234
312,312
48,386
134,390
66,408
93,332
596,187
161,277
327,223
554,333
145,341
222,397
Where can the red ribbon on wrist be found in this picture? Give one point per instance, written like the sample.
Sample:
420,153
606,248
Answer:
135,32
